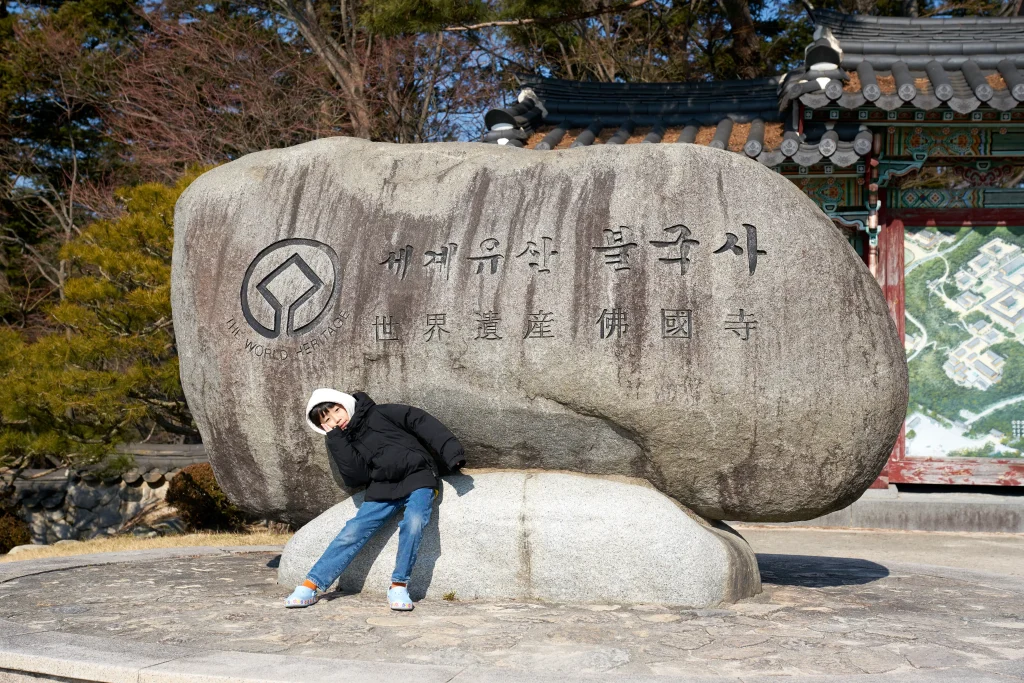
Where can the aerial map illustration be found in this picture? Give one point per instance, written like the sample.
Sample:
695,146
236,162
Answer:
965,342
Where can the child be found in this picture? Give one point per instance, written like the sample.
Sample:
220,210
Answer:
385,448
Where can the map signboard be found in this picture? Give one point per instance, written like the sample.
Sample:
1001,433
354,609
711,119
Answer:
965,342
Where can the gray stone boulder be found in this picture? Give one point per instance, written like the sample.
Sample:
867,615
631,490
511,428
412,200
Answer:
27,547
546,536
673,313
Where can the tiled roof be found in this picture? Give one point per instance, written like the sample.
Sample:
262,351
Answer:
907,30
855,61
887,62
555,113
578,103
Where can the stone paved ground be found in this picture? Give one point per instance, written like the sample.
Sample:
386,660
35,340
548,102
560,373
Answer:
816,616
985,552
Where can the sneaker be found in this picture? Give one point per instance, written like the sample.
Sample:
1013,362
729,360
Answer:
302,596
398,598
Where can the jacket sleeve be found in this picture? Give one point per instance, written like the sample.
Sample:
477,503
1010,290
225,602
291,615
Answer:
429,430
350,464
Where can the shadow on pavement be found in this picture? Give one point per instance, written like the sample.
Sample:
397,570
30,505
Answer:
818,572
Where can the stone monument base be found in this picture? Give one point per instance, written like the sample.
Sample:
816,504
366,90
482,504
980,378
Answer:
547,536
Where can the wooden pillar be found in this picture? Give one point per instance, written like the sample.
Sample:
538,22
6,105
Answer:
890,268
874,219
889,273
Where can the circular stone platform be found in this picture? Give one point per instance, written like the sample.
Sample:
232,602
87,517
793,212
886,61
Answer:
164,617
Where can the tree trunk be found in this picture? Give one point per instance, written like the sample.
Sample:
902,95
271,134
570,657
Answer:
341,60
746,44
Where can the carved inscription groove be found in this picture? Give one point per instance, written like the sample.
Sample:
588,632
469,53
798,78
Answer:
621,249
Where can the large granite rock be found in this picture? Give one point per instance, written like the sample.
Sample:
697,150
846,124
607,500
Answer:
548,536
748,381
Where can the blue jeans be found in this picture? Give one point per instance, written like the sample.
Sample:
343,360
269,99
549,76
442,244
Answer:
358,530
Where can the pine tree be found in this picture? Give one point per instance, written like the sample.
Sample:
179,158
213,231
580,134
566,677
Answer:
110,369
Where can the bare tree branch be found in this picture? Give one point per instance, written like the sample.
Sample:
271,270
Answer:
550,21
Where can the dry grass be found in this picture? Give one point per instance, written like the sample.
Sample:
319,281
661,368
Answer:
740,131
537,136
738,136
121,543
569,138
638,135
705,134
996,81
887,84
672,135
606,132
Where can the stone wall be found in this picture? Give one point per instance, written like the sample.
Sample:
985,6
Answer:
82,510
79,505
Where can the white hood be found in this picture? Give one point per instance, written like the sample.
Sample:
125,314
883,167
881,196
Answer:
329,396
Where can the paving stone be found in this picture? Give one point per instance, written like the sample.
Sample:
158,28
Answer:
9,628
227,668
554,659
746,640
934,657
232,601
8,676
687,641
81,656
661,618
1014,667
876,660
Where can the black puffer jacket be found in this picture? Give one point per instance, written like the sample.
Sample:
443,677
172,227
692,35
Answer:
389,447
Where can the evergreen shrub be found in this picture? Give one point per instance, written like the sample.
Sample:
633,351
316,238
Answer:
106,372
201,502
13,532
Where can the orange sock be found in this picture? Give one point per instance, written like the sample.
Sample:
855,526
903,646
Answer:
310,585
397,583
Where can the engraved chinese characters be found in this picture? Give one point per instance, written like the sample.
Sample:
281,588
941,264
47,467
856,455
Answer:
540,252
649,311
